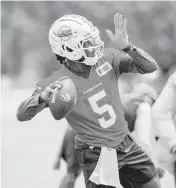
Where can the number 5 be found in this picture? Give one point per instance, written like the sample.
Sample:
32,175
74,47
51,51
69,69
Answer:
100,110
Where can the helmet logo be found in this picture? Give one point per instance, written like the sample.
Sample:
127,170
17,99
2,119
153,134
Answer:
65,33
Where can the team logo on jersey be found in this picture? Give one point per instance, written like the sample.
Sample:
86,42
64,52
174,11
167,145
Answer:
64,33
104,69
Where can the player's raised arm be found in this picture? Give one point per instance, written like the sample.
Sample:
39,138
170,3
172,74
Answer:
36,103
133,59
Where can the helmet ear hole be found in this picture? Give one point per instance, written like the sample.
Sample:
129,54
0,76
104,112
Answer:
66,48
69,49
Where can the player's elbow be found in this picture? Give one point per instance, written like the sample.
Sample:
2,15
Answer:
148,67
20,115
20,118
153,67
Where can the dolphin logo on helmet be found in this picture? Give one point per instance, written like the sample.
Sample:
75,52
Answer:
65,33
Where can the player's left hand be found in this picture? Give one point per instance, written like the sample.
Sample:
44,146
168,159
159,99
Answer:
120,38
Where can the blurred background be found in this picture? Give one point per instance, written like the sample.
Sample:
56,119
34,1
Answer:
25,48
28,149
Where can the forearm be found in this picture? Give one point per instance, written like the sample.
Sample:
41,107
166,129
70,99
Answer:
30,107
143,62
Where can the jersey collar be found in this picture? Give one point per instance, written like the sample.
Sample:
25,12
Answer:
85,72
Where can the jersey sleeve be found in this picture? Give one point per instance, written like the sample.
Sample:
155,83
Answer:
121,62
140,60
132,60
33,105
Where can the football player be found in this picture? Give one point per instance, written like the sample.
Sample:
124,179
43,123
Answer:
68,153
138,113
104,145
164,125
132,102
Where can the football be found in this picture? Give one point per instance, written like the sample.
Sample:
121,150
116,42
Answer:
63,100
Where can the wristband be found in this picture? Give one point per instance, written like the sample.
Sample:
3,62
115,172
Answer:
129,48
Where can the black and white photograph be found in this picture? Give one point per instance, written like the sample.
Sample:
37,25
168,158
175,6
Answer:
88,94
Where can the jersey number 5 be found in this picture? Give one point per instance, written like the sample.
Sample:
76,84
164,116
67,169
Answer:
100,110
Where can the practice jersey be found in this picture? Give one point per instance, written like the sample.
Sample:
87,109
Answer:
98,116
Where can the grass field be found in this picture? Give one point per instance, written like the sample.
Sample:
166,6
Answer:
28,149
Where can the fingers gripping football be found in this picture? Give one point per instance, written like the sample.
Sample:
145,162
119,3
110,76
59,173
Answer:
45,95
63,99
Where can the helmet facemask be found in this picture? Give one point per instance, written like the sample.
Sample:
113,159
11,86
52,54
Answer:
92,47
89,48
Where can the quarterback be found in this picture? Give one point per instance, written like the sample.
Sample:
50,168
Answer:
132,103
106,151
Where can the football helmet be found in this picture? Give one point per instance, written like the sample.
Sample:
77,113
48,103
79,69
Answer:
74,37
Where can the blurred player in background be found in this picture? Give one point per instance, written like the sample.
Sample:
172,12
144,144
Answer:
142,123
68,154
105,148
164,125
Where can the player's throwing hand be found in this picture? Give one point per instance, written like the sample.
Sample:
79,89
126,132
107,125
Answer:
120,38
50,89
